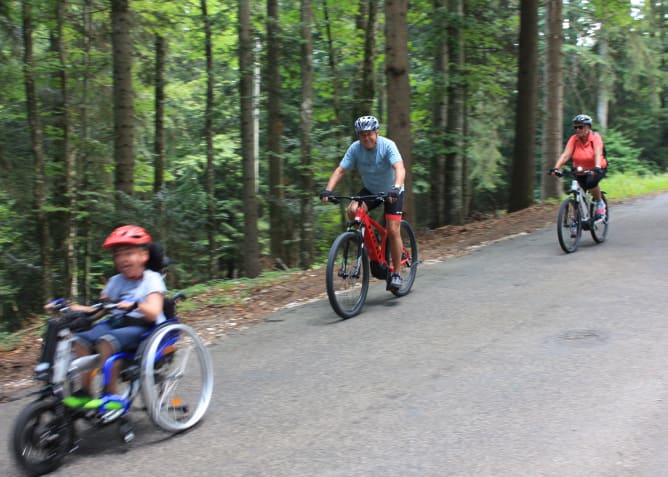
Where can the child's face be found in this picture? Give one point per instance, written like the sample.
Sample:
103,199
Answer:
130,260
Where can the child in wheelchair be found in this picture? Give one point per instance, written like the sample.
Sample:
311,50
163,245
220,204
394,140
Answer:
139,293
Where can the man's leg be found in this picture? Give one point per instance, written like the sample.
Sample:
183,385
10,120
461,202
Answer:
394,235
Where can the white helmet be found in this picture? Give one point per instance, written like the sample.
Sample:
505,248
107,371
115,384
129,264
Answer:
582,118
366,123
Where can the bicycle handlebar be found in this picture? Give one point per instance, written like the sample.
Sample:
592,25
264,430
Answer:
62,305
335,199
572,172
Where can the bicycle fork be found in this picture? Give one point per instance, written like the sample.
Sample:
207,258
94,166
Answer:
355,273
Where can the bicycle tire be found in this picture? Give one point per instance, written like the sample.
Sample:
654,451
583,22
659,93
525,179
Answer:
347,275
41,437
569,226
409,259
177,377
599,229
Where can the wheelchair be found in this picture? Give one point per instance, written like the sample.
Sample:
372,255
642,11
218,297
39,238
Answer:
171,370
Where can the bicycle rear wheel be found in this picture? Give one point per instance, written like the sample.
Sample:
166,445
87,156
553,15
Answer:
347,274
569,225
599,228
409,259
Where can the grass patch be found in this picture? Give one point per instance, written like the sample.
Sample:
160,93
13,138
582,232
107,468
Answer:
230,291
625,186
9,341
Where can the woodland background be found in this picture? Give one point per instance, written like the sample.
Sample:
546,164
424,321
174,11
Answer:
214,124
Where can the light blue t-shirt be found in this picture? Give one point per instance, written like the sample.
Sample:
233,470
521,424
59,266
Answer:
119,288
375,165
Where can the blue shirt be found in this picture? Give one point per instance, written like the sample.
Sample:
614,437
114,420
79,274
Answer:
374,165
120,288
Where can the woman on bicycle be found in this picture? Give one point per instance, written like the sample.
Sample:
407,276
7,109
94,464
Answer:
381,167
585,147
140,293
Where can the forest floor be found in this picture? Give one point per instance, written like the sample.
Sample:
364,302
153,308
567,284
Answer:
214,321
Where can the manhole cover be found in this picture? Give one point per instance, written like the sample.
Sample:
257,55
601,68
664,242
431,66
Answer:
584,336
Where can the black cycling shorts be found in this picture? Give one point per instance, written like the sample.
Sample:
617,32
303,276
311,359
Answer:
589,181
390,209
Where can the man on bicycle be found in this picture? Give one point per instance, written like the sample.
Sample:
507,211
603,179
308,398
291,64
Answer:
585,147
381,167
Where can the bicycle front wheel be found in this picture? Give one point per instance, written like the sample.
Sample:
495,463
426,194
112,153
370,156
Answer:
569,225
347,274
42,437
599,228
409,259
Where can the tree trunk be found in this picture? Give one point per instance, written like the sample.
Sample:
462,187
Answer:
365,93
250,242
71,267
454,169
554,98
37,138
305,130
522,180
604,86
159,160
123,92
398,89
208,137
439,115
87,156
277,230
336,100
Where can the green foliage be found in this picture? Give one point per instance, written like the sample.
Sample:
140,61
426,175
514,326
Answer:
623,157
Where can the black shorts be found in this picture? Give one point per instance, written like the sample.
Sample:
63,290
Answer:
390,209
589,181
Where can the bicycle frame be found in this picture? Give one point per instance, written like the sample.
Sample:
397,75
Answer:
376,246
582,198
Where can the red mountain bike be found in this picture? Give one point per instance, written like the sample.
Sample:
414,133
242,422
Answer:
362,250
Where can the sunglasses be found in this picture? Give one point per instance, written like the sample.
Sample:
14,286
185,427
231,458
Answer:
578,127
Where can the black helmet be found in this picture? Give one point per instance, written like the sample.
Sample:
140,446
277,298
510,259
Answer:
582,118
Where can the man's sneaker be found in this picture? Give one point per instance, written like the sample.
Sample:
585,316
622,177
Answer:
396,281
600,208
77,399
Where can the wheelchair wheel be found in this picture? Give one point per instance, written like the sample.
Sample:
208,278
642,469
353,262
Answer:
42,437
176,377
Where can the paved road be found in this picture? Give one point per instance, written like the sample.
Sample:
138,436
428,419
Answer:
517,360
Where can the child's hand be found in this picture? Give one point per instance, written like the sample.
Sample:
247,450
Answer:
127,305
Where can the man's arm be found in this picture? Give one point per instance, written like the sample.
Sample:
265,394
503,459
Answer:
336,177
399,174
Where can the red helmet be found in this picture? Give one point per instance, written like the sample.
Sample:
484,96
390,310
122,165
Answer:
127,235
